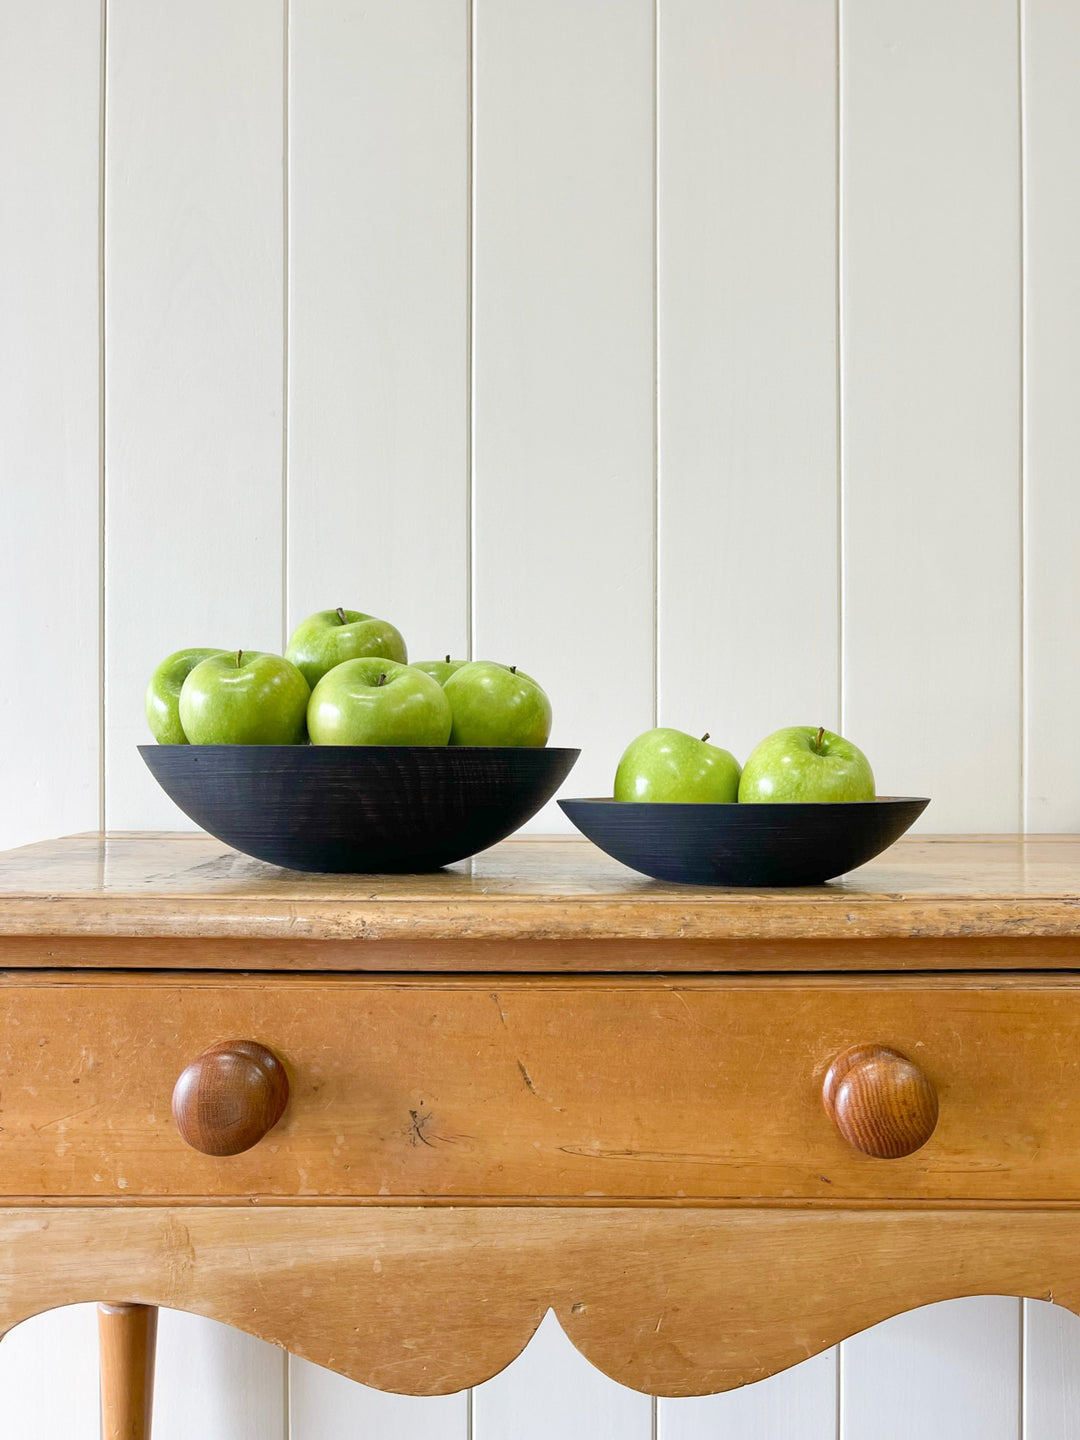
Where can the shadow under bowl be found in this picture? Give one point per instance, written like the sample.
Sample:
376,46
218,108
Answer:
755,845
359,809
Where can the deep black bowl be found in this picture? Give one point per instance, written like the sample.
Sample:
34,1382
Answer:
706,844
359,808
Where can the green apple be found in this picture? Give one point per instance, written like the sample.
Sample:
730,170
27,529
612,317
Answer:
244,697
378,702
163,694
330,637
806,762
439,670
669,765
497,705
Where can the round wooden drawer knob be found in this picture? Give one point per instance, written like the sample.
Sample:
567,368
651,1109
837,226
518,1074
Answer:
230,1097
880,1101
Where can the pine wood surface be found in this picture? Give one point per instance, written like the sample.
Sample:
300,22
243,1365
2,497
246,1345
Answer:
539,1088
671,1302
127,1338
182,886
650,1156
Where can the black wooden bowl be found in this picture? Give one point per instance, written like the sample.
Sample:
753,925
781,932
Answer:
799,844
359,808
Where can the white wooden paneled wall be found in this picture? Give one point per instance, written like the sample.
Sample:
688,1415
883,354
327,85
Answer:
712,359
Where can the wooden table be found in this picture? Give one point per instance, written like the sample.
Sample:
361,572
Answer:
716,1131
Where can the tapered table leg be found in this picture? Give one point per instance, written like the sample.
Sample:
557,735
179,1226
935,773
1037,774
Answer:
127,1336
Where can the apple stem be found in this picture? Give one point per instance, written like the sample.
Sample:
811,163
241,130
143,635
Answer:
448,659
705,737
239,658
513,669
341,614
382,679
817,742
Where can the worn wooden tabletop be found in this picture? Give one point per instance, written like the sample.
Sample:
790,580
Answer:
528,889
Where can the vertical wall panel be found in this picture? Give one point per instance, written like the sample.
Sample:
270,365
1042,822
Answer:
563,351
747,346
946,1372
378,329
194,352
325,1406
50,68
194,295
797,1404
551,1390
930,236
217,1383
49,1376
1052,322
1051,1372
378,395
746,308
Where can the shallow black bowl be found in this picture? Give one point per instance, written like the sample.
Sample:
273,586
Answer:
744,844
359,808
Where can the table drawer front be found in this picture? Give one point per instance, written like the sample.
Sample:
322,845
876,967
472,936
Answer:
707,1089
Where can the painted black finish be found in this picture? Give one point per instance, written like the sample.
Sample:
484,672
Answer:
744,844
358,808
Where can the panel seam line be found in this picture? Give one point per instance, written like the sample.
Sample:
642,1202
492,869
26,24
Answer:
285,336
101,626
1025,808
1022,1419
470,330
841,635
840,1391
286,139
656,368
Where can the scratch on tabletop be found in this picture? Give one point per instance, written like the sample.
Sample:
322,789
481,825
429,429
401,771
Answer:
416,1128
502,1012
683,1002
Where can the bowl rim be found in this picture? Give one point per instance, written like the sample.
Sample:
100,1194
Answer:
154,747
745,805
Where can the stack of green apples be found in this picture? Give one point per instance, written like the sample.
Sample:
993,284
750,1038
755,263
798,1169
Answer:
344,680
799,763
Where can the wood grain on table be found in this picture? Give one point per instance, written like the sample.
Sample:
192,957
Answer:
540,905
536,1090
177,886
671,1302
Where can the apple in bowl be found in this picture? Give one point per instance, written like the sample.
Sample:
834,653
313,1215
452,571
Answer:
163,694
378,702
244,697
494,704
805,763
330,637
439,670
666,765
